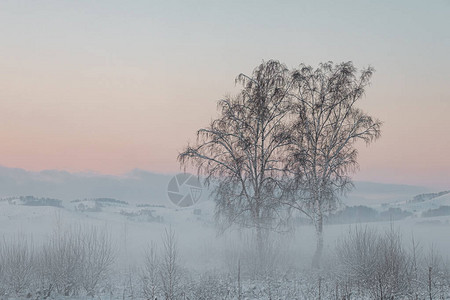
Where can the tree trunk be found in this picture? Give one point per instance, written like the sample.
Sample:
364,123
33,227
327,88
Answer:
259,242
260,250
319,242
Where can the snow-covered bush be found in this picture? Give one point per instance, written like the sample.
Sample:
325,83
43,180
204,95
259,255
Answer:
161,273
169,267
211,286
17,266
97,258
75,259
375,263
150,277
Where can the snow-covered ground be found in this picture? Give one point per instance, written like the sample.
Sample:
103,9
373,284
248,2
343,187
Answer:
212,259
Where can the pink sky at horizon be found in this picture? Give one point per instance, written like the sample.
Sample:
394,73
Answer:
110,87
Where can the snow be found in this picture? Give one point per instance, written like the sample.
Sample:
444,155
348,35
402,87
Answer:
203,252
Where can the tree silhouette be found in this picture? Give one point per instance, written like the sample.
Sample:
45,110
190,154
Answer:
243,149
326,127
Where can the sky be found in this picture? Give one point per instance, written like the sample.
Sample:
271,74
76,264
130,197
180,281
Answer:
110,86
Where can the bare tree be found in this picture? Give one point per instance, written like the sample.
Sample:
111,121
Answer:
151,283
358,256
433,269
327,126
97,258
241,151
169,267
393,272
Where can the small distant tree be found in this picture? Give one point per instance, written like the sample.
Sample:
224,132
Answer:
326,128
169,267
242,150
150,273
97,258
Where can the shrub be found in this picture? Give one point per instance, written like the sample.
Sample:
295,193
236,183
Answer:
16,264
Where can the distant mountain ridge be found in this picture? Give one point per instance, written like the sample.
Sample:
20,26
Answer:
136,186
140,186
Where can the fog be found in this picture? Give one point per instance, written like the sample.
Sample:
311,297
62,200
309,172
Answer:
147,241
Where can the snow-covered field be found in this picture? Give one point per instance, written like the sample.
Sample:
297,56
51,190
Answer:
224,266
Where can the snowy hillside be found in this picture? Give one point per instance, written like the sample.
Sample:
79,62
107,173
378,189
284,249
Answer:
421,208
371,193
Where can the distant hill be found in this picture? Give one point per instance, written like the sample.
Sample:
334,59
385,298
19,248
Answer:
441,201
428,196
139,186
371,193
142,196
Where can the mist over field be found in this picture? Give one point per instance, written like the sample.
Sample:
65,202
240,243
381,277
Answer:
224,150
135,215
